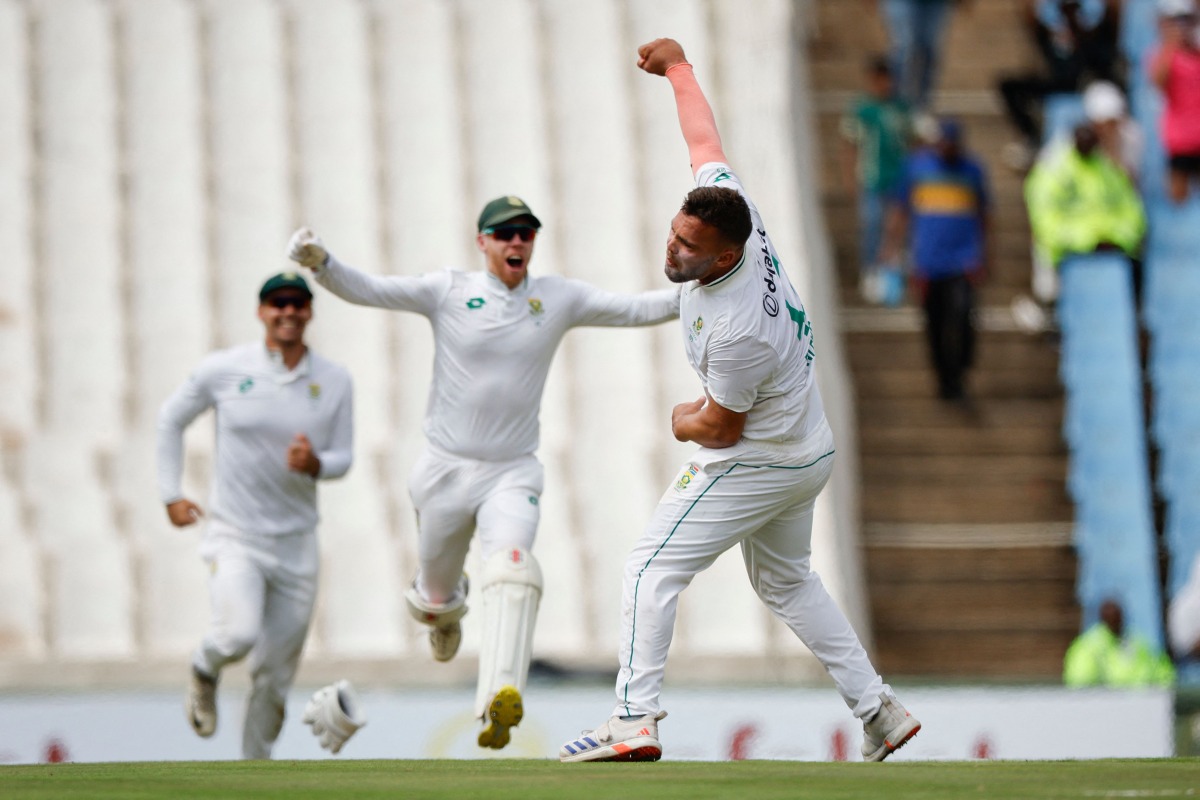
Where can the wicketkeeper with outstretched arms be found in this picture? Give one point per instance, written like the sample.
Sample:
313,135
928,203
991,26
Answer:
766,451
283,422
495,333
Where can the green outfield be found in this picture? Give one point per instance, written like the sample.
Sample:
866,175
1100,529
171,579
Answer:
532,780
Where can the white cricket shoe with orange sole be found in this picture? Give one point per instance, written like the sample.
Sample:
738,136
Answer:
888,730
617,740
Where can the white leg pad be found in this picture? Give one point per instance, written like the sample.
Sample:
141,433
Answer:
512,589
437,614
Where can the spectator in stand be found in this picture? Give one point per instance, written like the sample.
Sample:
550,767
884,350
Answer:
915,29
943,201
1107,655
1122,141
1176,70
1120,136
876,133
1079,201
1077,40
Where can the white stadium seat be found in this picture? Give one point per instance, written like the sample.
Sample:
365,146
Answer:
339,190
18,371
79,213
171,320
90,583
252,207
21,630
360,602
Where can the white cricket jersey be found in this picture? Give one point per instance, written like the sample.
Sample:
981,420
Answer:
493,345
749,338
260,406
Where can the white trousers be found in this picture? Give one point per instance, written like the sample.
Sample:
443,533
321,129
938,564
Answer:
764,502
261,593
456,498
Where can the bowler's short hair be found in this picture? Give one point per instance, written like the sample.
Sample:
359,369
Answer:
723,209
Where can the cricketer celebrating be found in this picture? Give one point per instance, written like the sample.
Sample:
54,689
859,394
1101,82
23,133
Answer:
495,333
766,451
283,422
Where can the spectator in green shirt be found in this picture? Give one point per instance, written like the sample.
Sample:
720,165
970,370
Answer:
876,134
1104,655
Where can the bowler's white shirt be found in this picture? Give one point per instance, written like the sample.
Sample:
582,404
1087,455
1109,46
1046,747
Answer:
493,345
748,336
260,406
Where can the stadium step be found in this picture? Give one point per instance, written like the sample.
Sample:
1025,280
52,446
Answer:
965,511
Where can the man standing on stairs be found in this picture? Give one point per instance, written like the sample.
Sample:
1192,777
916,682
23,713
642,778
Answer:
943,215
283,422
766,451
495,333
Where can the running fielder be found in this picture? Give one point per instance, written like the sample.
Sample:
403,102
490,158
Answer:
495,333
283,423
766,451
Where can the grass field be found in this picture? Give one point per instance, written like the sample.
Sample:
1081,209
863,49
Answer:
534,780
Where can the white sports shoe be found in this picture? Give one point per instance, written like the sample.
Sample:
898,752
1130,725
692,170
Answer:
445,641
201,704
617,740
504,712
888,730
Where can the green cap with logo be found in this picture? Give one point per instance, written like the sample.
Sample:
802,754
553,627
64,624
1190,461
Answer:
284,280
503,209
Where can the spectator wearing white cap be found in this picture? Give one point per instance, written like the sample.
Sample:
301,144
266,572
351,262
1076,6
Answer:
1121,138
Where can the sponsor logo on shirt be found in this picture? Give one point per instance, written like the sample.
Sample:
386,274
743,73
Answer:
724,176
475,302
536,310
689,474
246,385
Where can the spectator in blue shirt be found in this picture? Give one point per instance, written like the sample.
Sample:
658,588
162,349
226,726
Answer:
942,213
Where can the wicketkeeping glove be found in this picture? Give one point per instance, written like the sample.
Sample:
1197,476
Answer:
334,714
307,249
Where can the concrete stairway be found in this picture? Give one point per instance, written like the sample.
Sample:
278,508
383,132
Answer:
965,514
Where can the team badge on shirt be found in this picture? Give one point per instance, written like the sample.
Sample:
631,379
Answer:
314,390
696,327
536,309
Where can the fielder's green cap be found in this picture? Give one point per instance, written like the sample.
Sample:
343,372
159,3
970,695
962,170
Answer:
503,209
284,280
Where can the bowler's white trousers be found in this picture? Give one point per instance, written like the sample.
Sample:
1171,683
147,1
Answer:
457,498
261,592
761,498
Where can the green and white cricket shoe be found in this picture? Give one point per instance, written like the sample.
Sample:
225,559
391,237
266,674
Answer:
617,740
504,712
201,703
888,730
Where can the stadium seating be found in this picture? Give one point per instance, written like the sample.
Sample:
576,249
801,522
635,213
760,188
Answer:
1106,433
90,583
18,371
251,206
21,626
167,254
80,257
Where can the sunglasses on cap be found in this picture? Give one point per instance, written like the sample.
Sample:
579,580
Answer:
505,233
282,301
